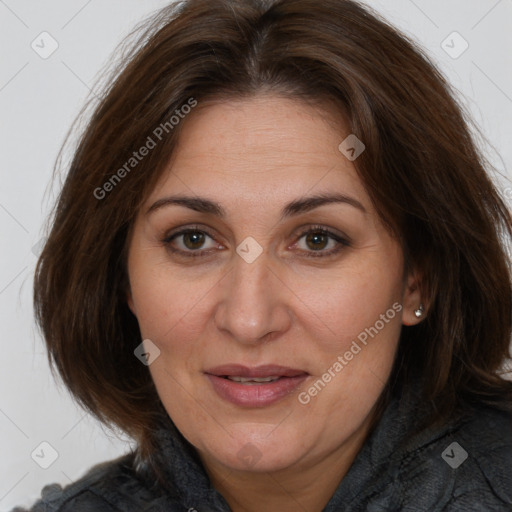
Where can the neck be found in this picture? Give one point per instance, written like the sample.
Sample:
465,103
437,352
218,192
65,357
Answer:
308,485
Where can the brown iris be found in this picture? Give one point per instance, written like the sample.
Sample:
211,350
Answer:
193,239
319,240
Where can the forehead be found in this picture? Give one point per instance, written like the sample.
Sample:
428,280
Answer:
266,145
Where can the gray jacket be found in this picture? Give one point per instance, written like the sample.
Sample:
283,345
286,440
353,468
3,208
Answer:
464,466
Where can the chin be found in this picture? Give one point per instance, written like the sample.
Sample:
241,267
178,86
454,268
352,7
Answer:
257,452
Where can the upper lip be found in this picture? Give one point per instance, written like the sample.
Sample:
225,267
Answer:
268,370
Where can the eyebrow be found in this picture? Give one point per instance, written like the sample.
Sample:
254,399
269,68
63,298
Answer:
303,205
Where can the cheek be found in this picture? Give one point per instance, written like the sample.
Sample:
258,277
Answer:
344,304
165,298
173,309
354,351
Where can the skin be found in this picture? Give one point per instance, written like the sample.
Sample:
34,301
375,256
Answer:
253,156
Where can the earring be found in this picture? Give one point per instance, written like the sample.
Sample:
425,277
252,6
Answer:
419,312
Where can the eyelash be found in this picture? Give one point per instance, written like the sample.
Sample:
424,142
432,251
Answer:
342,242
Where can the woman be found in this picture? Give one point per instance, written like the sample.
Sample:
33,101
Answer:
279,264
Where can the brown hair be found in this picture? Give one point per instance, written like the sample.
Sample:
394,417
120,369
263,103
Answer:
421,168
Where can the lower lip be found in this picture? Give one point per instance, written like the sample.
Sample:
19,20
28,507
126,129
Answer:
255,395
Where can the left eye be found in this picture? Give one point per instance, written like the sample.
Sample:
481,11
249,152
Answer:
321,242
317,240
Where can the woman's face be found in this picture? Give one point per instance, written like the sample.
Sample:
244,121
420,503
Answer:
266,282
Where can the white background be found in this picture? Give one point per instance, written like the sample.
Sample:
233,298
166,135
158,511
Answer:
39,99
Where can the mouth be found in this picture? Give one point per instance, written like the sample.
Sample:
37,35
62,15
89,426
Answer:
250,381
254,387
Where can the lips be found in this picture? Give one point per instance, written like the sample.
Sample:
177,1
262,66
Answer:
254,387
237,370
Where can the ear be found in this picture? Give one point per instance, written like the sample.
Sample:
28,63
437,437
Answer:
412,298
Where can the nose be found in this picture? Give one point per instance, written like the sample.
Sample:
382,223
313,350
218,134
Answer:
253,305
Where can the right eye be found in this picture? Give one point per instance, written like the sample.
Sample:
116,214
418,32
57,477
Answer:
188,242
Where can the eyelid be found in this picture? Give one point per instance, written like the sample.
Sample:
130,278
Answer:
186,229
336,234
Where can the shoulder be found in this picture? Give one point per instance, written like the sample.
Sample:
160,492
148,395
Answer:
112,486
466,466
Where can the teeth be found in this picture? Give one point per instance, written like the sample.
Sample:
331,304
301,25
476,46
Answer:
252,379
